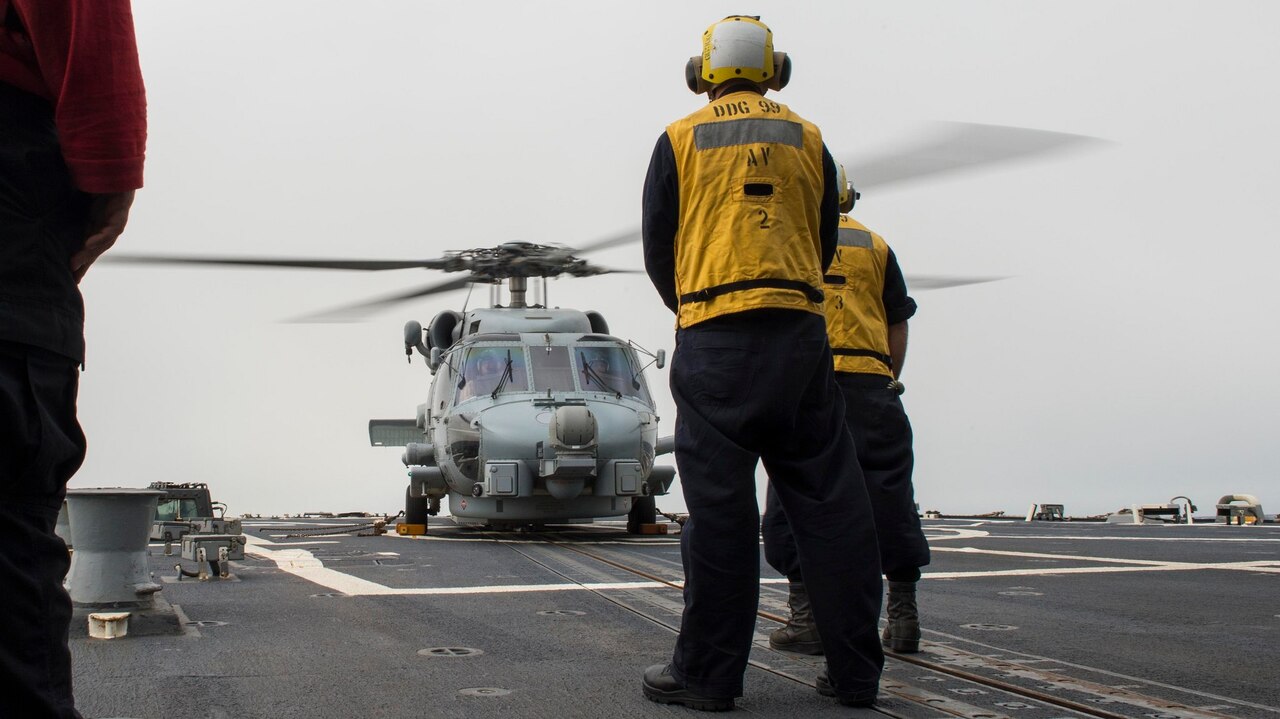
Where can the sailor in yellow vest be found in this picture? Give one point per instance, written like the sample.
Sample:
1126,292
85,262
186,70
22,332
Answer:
867,310
740,215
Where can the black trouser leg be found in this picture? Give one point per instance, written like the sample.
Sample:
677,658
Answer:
820,489
726,420
882,434
779,544
719,549
41,446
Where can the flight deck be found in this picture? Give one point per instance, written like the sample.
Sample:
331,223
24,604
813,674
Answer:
1020,619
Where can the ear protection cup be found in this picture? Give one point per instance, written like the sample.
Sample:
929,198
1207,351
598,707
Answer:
850,201
693,76
781,72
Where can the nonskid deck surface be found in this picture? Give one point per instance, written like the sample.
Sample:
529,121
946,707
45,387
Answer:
1039,620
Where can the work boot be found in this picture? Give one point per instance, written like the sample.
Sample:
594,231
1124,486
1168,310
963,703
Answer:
800,634
826,690
902,633
659,686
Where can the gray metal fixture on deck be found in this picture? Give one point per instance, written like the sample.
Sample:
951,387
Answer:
1047,512
109,528
1240,509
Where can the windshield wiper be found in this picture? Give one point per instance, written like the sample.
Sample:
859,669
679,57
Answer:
502,381
591,373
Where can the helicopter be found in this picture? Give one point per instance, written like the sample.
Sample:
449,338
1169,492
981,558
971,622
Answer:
538,415
535,415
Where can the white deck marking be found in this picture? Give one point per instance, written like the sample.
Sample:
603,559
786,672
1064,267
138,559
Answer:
954,533
1130,565
305,565
1136,539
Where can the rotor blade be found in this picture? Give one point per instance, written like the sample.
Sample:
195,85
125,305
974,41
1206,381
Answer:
284,262
614,241
357,311
958,147
938,282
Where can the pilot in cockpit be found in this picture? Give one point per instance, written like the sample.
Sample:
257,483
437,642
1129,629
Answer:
485,369
597,370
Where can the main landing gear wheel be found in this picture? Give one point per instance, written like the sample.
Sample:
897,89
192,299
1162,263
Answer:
644,510
416,509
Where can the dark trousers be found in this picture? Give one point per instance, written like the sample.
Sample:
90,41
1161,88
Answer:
42,223
758,386
41,446
882,436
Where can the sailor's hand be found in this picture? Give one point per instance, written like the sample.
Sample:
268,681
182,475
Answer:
108,214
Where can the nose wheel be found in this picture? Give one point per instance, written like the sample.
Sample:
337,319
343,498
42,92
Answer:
416,509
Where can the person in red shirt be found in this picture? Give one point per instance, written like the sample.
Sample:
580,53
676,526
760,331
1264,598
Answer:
72,139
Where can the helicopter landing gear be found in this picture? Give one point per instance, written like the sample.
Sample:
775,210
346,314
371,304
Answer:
644,510
416,509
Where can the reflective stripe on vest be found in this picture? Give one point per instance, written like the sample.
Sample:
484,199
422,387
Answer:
746,132
850,237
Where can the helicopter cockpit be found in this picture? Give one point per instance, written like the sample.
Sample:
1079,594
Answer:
491,369
609,367
593,364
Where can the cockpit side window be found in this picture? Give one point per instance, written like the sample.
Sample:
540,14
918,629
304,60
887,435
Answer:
444,384
488,367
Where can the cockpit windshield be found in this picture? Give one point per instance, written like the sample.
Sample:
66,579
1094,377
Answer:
552,369
494,370
489,369
608,368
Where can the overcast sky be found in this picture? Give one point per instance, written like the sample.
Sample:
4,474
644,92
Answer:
1129,357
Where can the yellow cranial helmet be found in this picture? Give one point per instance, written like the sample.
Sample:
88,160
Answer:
738,47
848,195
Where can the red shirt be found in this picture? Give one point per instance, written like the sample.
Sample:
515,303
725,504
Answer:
82,56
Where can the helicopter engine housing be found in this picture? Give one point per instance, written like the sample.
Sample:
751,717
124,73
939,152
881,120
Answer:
444,329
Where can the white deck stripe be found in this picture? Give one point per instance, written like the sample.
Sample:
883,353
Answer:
1235,566
1140,539
304,565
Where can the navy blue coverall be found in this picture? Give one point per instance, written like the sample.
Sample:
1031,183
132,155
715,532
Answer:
759,386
